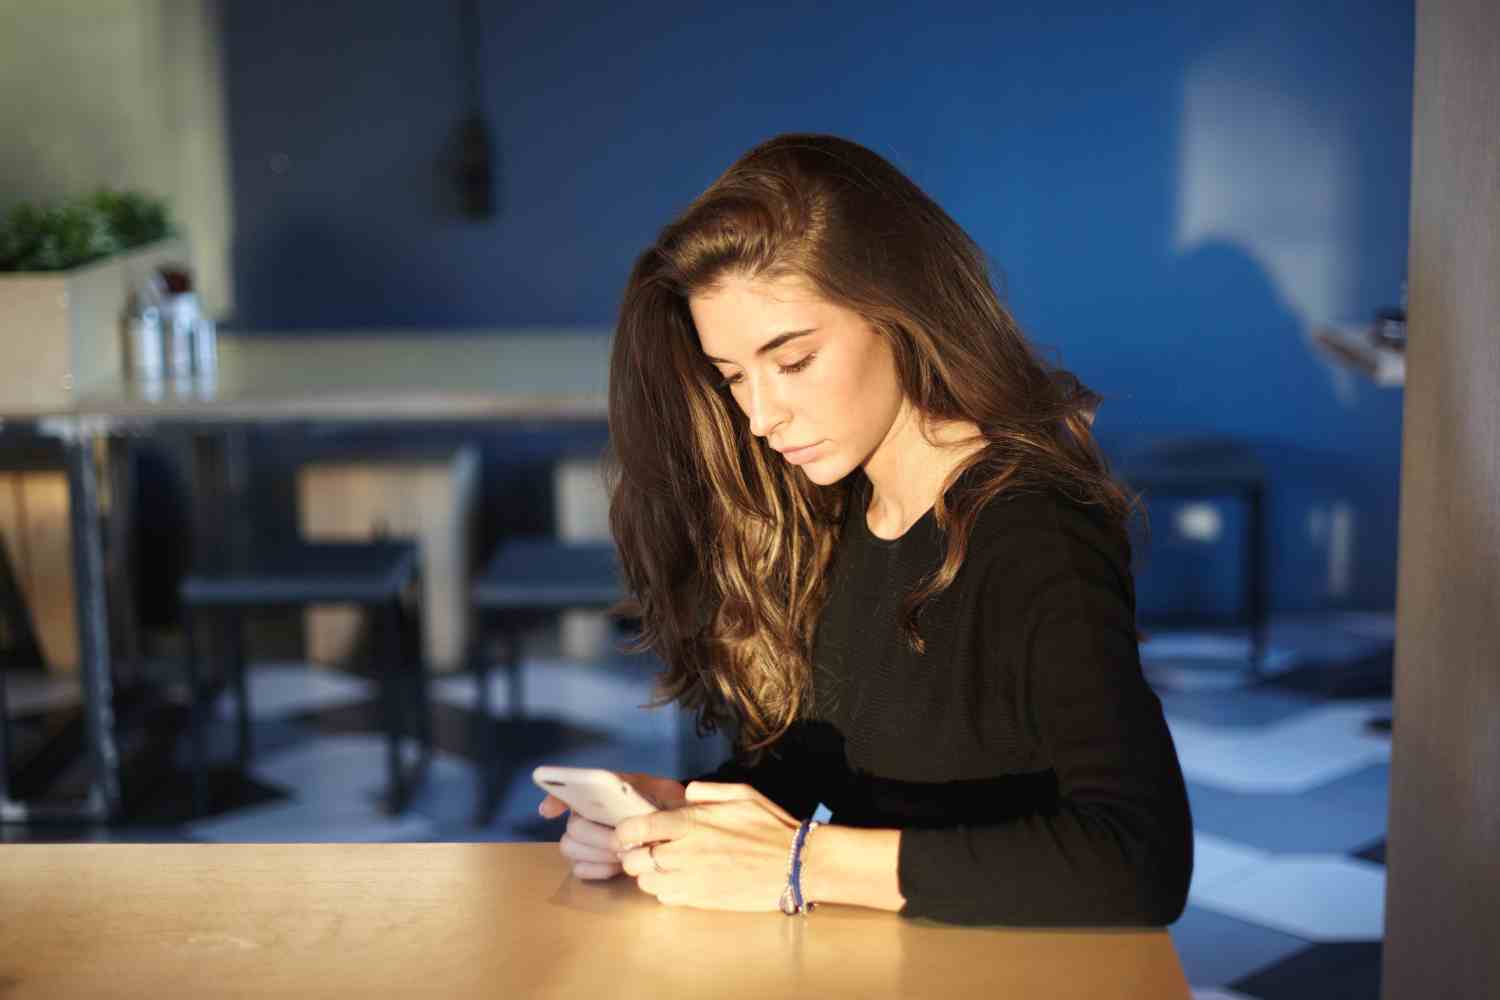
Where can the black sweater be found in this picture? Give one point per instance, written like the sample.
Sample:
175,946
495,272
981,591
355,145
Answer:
1023,757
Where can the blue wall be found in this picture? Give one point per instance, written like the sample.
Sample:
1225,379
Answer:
1171,199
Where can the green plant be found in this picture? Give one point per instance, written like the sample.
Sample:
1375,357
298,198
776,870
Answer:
37,237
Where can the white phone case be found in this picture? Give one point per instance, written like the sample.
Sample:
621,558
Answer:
593,793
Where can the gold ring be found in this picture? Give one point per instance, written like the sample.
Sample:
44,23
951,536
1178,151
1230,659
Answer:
654,863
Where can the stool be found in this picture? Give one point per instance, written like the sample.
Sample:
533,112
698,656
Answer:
1207,467
372,575
527,581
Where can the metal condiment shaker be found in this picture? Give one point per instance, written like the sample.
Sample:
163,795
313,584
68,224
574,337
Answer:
182,314
205,347
143,343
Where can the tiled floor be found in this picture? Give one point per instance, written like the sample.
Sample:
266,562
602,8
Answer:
1287,779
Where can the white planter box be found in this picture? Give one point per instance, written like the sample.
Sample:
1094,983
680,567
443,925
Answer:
61,332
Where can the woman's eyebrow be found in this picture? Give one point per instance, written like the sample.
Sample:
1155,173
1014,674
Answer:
770,345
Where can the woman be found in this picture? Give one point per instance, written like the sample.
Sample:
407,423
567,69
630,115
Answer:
870,530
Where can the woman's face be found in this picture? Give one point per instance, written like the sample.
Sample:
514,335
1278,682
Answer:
814,379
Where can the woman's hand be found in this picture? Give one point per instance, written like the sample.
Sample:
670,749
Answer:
590,845
726,849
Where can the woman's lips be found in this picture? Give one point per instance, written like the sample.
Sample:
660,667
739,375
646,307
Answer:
797,456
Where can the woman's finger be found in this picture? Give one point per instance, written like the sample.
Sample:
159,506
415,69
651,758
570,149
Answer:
595,871
576,851
589,833
552,807
645,859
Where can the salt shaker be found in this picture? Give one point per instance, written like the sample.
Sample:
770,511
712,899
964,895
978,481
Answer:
143,343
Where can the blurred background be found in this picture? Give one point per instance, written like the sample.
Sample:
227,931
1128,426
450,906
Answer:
1200,209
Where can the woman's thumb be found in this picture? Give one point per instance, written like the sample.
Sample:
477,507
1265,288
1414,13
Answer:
714,791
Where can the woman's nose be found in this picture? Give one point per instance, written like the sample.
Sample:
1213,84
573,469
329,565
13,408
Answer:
763,408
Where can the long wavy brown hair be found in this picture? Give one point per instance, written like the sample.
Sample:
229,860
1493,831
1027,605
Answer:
724,546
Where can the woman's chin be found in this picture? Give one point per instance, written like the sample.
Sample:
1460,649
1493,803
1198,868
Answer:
824,472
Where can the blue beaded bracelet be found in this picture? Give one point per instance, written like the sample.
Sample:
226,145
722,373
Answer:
792,902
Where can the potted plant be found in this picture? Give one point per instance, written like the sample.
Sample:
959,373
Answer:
66,274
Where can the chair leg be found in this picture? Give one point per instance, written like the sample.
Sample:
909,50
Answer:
198,752
388,657
514,684
417,673
238,663
486,738
414,671
479,666
490,761
1256,583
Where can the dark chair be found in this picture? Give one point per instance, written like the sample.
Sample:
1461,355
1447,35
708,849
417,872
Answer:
376,576
1205,468
527,581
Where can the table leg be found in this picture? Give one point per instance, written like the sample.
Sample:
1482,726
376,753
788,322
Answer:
24,650
80,444
93,630
120,560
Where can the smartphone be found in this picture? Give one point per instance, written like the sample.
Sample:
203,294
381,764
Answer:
595,794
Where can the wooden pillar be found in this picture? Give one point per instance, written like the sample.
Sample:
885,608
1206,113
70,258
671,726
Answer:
1443,851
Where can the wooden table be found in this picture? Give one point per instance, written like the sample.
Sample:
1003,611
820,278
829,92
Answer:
492,920
544,375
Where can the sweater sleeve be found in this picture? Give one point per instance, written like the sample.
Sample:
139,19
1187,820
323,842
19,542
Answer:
1118,849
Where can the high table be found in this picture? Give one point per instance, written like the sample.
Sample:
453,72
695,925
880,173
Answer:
386,376
491,920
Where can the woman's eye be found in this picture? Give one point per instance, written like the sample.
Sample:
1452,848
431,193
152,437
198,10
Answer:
729,381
